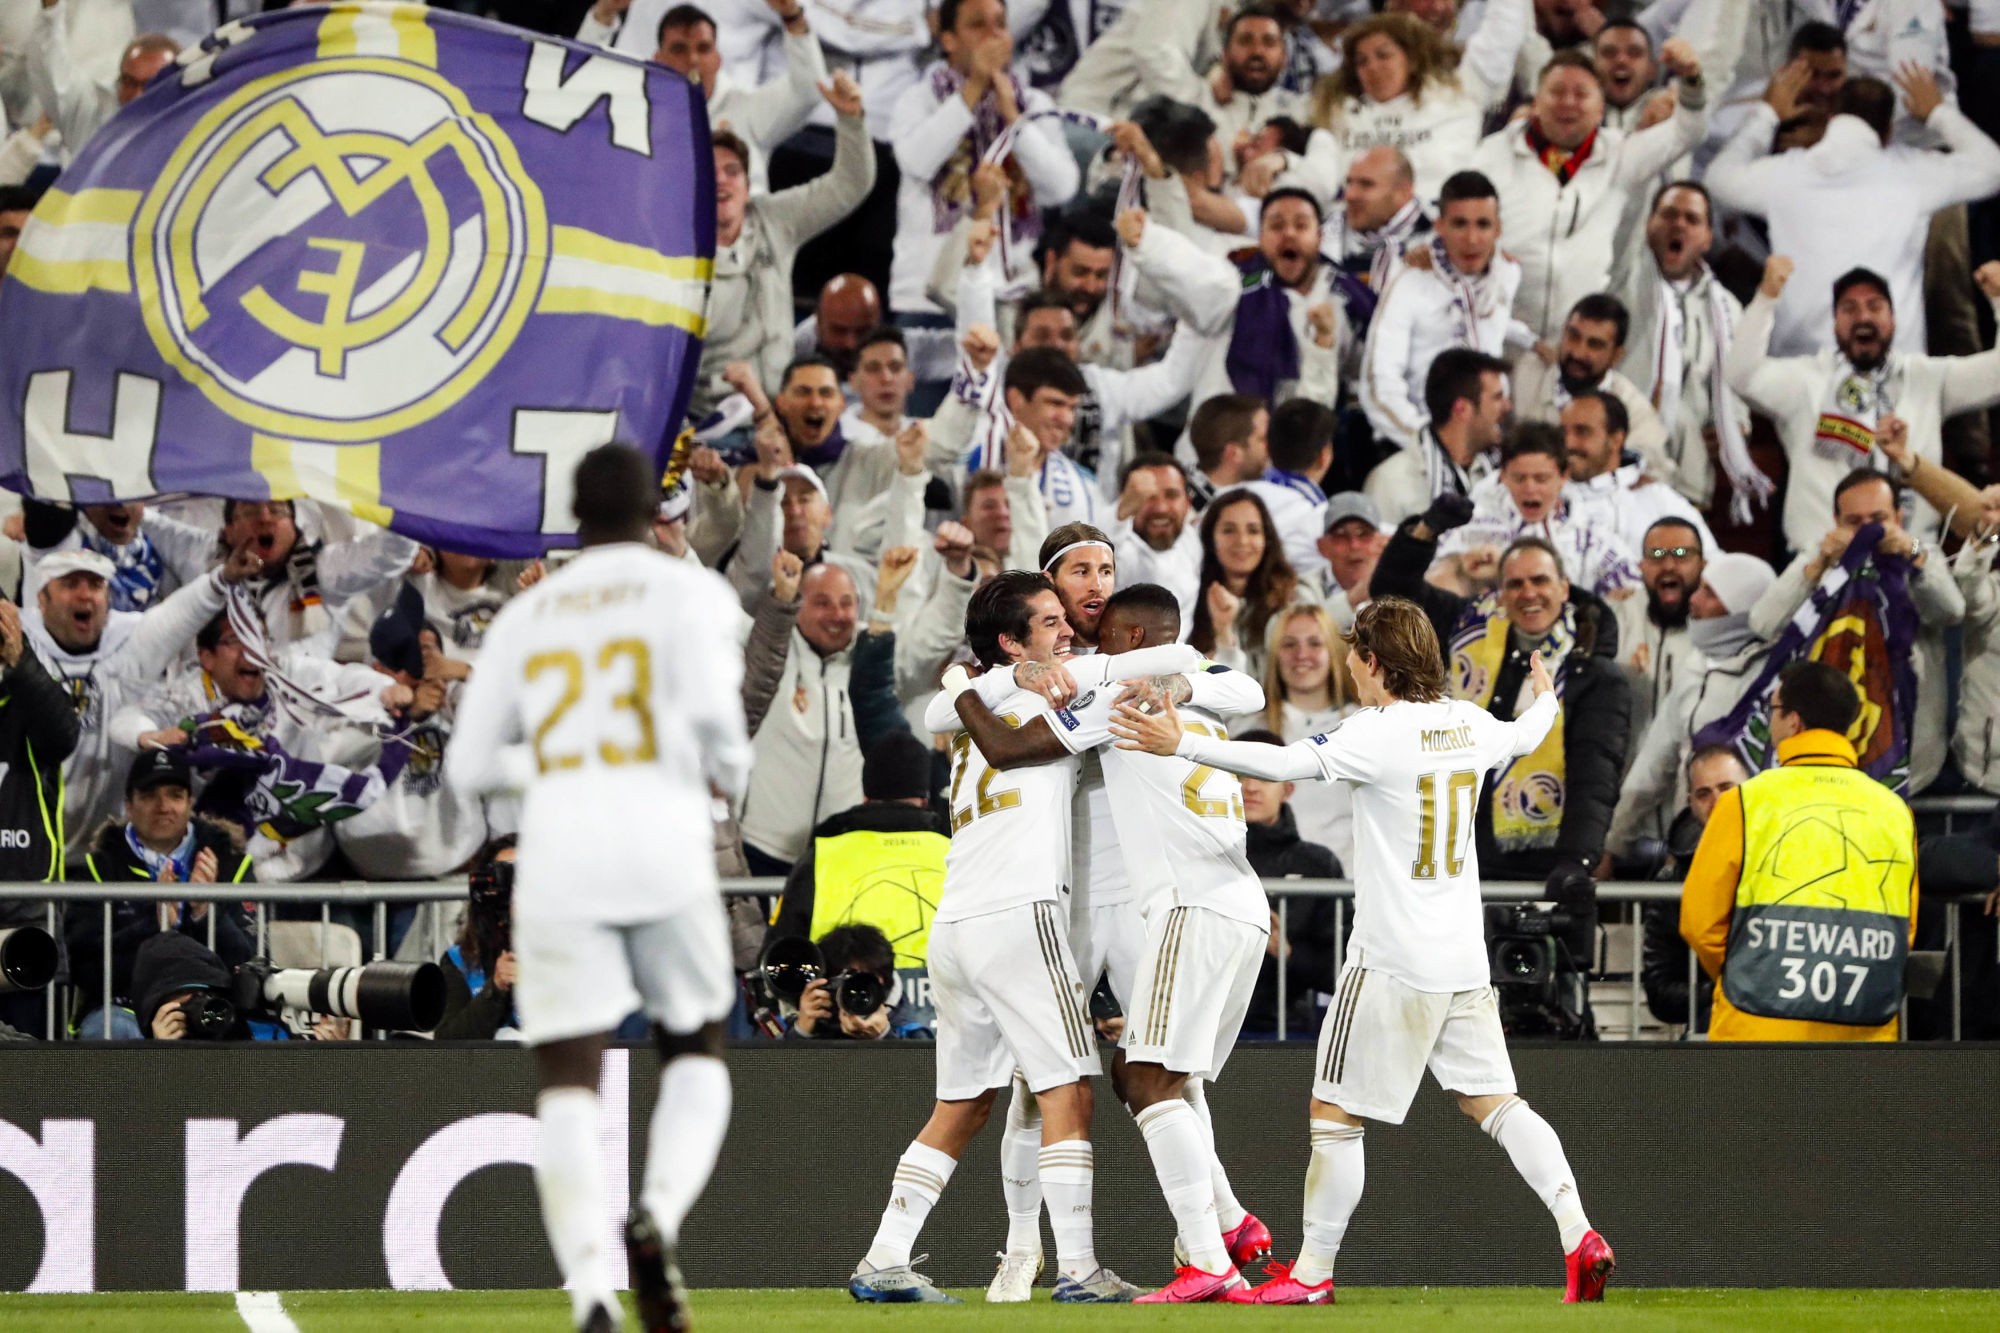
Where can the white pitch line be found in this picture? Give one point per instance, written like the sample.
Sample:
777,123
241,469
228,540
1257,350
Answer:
263,1312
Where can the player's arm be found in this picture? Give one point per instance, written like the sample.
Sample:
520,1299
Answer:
1035,742
1529,728
1162,733
485,754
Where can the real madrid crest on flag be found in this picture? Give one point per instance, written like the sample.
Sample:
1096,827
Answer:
386,257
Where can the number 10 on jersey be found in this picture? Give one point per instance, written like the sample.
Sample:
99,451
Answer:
1464,781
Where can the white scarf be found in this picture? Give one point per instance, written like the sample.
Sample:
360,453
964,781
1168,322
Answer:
1749,486
1442,472
1855,400
1384,245
1475,297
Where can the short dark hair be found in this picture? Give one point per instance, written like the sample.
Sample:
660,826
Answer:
1530,542
617,490
681,16
1255,11
1397,636
229,508
1037,368
727,141
896,768
18,199
947,14
1300,430
1604,308
1863,277
1570,59
1292,136
1466,185
858,945
882,333
983,480
1178,132
1716,750
1077,224
1041,299
1000,606
1150,603
1707,200
1817,37
1617,421
1669,521
1222,420
1626,22
1456,375
1069,534
807,362
210,634
1292,192
1821,695
1861,476
1534,437
1149,458
1870,100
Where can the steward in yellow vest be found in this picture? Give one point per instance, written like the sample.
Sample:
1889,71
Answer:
1802,898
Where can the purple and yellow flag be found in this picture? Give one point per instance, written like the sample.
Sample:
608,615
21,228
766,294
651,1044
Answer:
391,258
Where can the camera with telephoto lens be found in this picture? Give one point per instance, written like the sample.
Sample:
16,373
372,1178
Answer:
791,963
1540,986
403,996
28,959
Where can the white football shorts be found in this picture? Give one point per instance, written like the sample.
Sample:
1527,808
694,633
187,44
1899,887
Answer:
1106,940
583,977
1008,997
1197,971
1380,1034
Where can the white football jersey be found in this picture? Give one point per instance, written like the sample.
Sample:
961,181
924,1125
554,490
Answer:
610,694
1416,770
1010,828
1180,823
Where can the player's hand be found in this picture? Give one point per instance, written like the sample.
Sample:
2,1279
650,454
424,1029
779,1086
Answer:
953,543
1150,694
1155,733
1777,272
1111,1029
504,969
815,1007
981,345
1051,680
202,872
1539,678
11,641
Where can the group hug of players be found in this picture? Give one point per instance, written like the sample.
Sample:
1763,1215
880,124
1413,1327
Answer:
1097,830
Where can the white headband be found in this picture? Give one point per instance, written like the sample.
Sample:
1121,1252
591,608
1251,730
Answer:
1056,559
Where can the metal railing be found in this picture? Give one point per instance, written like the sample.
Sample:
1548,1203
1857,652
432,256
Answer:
1630,895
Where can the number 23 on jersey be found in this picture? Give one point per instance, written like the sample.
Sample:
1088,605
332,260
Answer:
621,661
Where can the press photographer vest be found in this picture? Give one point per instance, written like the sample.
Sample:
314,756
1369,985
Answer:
1821,927
887,880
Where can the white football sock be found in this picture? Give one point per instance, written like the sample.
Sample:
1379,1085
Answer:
1173,1139
1229,1214
569,1177
1068,1171
1333,1189
689,1121
921,1175
1538,1155
1020,1171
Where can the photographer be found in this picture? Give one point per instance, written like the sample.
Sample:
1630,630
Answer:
479,1000
185,994
828,1006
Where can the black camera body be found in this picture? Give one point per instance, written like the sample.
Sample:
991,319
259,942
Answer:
491,909
791,963
1542,989
210,1015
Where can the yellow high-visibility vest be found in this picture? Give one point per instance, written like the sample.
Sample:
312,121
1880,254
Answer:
891,881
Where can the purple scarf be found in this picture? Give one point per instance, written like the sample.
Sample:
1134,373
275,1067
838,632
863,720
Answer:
951,188
1263,350
826,453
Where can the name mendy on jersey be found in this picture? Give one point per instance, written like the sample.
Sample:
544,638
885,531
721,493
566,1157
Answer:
1437,739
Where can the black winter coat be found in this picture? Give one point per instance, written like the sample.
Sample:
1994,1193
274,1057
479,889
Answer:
1277,852
111,861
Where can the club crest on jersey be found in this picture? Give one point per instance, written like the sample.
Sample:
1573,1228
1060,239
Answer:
1067,716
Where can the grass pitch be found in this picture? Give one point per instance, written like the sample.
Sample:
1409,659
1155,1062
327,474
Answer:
803,1311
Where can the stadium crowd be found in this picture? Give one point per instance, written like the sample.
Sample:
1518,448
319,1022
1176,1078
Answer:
1655,337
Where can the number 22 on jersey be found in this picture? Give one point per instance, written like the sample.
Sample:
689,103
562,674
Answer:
985,800
637,700
1453,852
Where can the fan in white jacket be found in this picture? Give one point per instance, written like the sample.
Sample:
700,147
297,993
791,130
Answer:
1854,198
763,115
78,56
152,552
1464,297
966,107
1567,183
1826,406
1397,87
